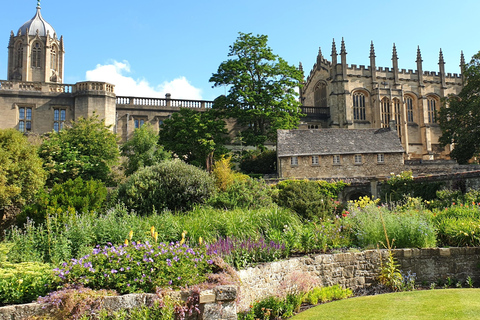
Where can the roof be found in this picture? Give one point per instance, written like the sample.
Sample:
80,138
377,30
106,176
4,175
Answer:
37,23
337,141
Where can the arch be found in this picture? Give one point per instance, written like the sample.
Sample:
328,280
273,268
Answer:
36,55
397,114
320,94
53,57
410,103
385,112
359,98
18,63
433,103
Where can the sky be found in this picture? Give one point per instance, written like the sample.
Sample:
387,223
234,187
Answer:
150,47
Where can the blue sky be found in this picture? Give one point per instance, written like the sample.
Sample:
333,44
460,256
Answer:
148,47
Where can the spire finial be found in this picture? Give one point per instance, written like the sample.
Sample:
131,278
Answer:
342,49
372,50
394,53
38,3
440,57
462,59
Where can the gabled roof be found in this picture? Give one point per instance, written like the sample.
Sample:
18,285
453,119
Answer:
337,141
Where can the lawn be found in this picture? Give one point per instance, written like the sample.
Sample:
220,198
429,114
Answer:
423,304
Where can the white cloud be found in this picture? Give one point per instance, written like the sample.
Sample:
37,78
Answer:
117,73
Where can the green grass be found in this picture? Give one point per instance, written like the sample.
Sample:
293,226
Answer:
425,304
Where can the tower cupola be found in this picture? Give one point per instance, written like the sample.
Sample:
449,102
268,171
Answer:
37,23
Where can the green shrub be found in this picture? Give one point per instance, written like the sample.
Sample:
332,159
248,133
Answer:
66,199
458,226
172,185
319,237
259,162
409,229
402,185
326,294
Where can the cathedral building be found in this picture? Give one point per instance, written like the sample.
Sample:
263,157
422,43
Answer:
365,97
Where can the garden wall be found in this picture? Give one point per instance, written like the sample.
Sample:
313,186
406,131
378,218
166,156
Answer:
356,270
216,304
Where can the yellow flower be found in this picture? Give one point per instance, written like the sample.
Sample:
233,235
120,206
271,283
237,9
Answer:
130,234
126,242
155,236
152,231
200,240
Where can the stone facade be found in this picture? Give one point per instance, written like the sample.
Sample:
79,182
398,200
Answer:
358,97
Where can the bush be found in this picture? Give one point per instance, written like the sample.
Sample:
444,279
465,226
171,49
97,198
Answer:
459,226
66,198
224,175
258,162
402,185
172,185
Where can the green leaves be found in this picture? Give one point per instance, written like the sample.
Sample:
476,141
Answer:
261,94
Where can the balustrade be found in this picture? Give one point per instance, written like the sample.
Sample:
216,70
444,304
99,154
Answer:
164,102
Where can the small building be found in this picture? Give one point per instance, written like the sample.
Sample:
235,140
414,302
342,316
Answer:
339,153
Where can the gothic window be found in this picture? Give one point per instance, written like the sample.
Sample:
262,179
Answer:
25,119
336,159
315,160
36,55
432,109
398,115
409,105
385,104
359,106
53,59
19,56
320,95
59,116
294,161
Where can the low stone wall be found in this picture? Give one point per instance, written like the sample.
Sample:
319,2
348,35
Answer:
216,304
356,270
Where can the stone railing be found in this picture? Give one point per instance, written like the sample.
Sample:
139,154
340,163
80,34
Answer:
215,304
88,86
35,86
321,113
164,102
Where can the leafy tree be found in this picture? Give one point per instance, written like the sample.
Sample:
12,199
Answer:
143,150
460,118
194,136
21,172
262,89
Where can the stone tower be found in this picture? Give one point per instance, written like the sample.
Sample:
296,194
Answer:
35,53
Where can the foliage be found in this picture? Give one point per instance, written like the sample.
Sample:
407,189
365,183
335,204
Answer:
172,185
259,162
409,228
138,267
460,115
402,185
88,149
249,193
194,136
21,173
459,226
326,294
24,282
163,309
244,253
262,89
319,237
142,150
446,198
224,175
65,199
390,275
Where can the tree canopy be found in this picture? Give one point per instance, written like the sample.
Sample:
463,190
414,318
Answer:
460,118
143,150
194,136
262,89
87,149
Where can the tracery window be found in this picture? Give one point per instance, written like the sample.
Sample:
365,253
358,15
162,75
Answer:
19,56
432,109
398,115
36,55
409,105
53,59
385,104
359,106
320,95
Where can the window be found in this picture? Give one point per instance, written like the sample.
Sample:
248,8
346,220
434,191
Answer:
36,55
53,59
139,123
24,119
385,103
359,106
432,109
336,159
380,158
409,103
311,126
19,57
358,159
398,111
320,95
294,161
315,160
59,116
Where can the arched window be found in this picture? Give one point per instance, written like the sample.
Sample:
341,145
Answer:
385,104
53,58
409,106
36,55
432,109
359,106
19,56
320,95
398,115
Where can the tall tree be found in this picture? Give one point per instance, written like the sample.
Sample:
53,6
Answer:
262,89
459,118
194,136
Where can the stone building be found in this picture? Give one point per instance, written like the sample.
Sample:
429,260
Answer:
339,153
361,97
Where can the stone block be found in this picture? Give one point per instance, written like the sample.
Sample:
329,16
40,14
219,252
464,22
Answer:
226,293
207,296
444,252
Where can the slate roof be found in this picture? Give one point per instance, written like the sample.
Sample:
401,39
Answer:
337,141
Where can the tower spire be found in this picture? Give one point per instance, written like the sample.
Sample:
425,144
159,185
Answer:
441,69
395,65
373,66
419,67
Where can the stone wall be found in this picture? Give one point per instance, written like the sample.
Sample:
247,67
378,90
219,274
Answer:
215,304
356,270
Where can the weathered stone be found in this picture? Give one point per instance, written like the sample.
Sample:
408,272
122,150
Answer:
225,293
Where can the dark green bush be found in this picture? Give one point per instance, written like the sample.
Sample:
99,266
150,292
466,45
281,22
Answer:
66,199
258,162
249,193
399,186
172,185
